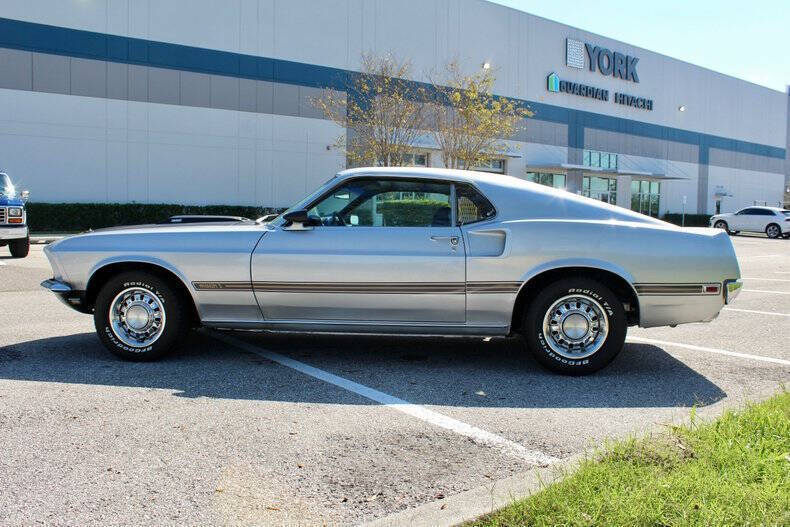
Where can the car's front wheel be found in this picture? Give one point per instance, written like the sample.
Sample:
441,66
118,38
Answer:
19,248
575,326
721,224
139,316
773,231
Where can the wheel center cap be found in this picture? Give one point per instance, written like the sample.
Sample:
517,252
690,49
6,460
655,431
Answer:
575,326
137,317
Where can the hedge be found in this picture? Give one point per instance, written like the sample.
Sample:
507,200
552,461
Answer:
75,217
692,220
410,212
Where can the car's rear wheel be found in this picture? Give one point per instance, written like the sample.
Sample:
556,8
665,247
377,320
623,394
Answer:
773,231
721,224
139,316
19,248
575,326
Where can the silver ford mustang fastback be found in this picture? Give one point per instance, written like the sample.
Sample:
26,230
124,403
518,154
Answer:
405,251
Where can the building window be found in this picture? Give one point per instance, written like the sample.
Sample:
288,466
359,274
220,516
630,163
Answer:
645,197
417,160
600,188
550,180
496,166
596,159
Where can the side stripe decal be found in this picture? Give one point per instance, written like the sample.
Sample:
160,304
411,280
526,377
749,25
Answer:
363,287
676,289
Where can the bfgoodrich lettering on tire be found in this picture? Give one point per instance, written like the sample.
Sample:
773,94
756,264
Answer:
139,316
575,326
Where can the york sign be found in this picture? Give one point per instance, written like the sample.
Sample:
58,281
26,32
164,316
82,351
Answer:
605,61
612,63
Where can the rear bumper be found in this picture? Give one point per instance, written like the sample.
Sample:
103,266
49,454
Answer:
13,232
72,298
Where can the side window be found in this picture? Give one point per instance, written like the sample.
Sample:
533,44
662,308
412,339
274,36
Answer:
472,205
747,212
385,203
765,212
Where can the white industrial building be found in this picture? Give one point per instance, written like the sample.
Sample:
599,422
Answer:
205,102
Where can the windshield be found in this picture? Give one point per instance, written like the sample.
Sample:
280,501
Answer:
6,188
307,199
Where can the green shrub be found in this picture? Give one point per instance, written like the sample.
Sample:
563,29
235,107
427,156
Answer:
409,212
71,217
692,220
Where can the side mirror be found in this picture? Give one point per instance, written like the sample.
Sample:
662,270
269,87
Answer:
298,220
25,194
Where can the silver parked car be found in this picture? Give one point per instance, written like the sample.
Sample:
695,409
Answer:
405,251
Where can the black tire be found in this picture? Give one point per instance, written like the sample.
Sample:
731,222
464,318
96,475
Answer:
721,224
773,233
171,306
19,248
585,288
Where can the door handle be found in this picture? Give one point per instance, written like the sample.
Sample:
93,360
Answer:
453,239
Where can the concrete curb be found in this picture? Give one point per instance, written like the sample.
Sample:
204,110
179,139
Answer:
472,504
485,499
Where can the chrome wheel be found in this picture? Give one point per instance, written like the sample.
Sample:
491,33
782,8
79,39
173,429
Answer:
773,231
575,326
137,317
720,225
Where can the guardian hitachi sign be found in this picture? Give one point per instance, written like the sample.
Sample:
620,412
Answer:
600,59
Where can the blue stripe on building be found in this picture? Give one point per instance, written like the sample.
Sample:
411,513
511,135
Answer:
42,38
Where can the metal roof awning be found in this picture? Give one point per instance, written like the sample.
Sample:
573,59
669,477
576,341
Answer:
552,168
427,142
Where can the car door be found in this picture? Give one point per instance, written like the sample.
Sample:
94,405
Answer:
383,249
743,220
762,219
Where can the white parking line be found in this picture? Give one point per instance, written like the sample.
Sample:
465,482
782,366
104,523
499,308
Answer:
448,423
2,262
709,350
757,312
765,291
759,256
769,279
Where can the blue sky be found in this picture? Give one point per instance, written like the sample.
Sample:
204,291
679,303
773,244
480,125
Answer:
748,39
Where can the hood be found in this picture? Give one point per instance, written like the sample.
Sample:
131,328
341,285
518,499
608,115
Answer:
178,226
6,201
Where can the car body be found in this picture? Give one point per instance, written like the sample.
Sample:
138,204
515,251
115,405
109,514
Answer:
13,218
408,251
773,221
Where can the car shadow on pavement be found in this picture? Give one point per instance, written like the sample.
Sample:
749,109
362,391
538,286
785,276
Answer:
460,372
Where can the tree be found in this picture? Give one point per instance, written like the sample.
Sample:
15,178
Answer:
471,124
381,111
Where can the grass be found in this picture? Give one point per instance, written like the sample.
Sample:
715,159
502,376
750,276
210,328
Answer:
733,471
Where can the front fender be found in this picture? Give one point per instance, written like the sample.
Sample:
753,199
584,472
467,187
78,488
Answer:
142,259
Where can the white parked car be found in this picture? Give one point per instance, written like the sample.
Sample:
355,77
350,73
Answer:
773,221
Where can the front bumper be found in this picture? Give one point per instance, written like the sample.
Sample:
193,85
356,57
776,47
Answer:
732,288
13,232
72,298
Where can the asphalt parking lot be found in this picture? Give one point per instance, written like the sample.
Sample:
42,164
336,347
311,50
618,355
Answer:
285,429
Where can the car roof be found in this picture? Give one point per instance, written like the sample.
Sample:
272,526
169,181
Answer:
775,209
468,176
